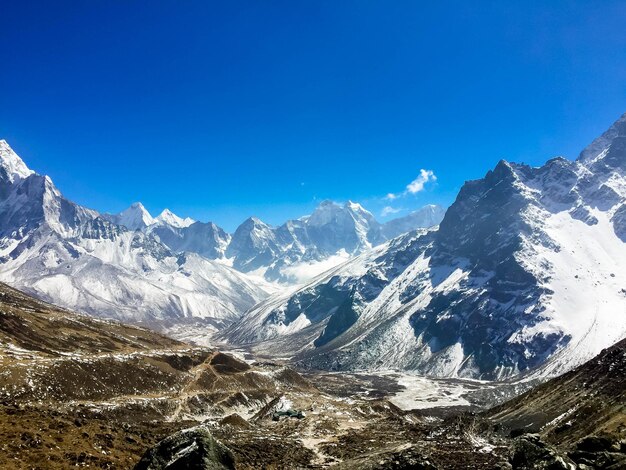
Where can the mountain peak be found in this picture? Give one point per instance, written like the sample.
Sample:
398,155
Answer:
355,206
136,217
358,209
252,222
12,164
601,144
167,217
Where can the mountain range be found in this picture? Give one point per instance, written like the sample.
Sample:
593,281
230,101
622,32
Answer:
525,274
162,271
290,253
72,256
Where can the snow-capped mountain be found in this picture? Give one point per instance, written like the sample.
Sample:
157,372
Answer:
136,217
74,257
526,272
291,253
167,217
176,233
205,239
303,248
11,165
295,250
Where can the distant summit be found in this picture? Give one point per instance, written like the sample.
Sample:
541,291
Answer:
12,167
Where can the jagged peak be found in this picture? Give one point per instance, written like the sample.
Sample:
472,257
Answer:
253,222
601,144
505,168
428,208
167,217
12,164
136,208
135,217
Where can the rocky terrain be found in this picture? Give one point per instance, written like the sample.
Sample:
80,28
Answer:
589,400
75,391
78,390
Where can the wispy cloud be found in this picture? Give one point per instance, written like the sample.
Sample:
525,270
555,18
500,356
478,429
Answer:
415,186
388,210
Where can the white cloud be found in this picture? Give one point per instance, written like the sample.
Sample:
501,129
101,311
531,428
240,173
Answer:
417,185
388,210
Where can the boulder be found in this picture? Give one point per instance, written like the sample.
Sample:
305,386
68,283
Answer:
531,453
191,449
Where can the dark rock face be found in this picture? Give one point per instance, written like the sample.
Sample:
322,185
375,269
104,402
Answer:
315,303
485,226
599,452
191,449
530,452
343,318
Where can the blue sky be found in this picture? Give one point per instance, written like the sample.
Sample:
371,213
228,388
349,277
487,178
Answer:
222,110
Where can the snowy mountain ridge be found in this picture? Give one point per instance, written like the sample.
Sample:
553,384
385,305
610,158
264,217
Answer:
168,272
167,217
74,257
291,253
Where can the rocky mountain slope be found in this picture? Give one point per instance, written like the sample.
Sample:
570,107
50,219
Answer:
72,256
526,272
589,400
75,390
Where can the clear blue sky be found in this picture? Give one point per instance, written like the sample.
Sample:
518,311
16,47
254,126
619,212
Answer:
221,110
